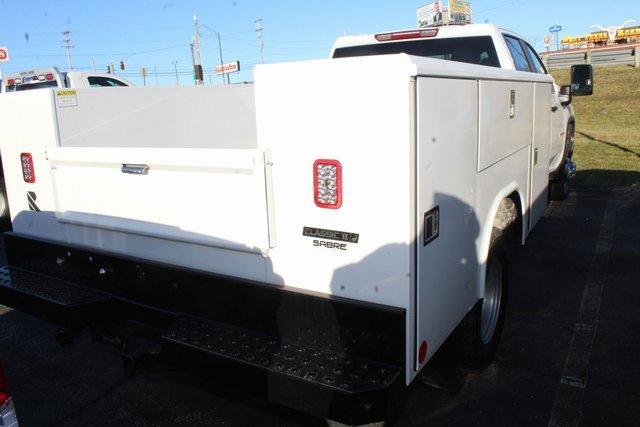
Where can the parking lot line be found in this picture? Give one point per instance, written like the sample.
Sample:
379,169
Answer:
567,405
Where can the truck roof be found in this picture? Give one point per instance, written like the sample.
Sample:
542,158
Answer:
445,31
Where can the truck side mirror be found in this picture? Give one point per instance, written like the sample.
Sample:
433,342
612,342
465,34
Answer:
581,80
566,95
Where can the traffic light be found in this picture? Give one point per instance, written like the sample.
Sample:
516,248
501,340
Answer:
122,64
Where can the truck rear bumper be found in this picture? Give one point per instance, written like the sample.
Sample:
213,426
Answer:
335,358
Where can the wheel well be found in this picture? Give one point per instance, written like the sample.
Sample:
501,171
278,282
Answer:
509,216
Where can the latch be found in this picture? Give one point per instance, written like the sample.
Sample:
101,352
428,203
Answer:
431,225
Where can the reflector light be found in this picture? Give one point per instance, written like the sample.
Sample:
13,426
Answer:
11,82
327,184
406,35
27,168
4,387
49,76
40,78
18,81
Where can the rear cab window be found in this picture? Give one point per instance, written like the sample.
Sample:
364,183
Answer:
472,50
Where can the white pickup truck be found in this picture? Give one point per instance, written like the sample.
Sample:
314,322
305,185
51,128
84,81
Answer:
325,229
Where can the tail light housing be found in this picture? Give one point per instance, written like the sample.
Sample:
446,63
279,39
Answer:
4,387
407,35
11,82
8,416
327,183
48,76
28,173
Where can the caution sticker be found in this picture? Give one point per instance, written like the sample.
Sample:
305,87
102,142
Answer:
67,98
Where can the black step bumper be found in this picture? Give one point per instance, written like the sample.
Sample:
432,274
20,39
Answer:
335,358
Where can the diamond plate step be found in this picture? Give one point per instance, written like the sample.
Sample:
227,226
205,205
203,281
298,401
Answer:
347,374
50,298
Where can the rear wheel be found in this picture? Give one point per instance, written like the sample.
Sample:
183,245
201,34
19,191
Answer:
476,338
4,204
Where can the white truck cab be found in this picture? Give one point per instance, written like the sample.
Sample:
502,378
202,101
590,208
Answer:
482,44
53,77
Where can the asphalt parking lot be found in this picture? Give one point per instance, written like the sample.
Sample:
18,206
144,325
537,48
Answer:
570,351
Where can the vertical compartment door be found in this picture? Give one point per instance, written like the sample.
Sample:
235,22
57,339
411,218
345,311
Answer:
540,153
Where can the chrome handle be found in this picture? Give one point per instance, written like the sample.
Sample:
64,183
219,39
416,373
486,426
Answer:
135,169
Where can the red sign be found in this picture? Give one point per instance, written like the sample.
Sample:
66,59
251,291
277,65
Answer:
231,67
4,54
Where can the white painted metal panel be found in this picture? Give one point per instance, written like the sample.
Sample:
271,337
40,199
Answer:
542,138
187,195
500,134
334,111
184,117
446,178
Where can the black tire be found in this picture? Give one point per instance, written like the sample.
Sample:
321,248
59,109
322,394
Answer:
4,202
471,348
559,188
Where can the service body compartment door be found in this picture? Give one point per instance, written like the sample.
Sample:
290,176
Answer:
540,153
446,224
209,197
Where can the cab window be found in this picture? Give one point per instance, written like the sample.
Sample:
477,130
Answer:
534,59
517,53
97,81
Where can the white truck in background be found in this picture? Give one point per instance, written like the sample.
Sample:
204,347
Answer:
53,77
47,78
325,229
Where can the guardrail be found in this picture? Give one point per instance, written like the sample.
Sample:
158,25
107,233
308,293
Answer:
629,55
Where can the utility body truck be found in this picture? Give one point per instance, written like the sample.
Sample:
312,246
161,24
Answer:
51,78
325,229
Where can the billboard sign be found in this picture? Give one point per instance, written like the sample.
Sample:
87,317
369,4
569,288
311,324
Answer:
444,12
230,67
4,54
459,12
625,33
598,36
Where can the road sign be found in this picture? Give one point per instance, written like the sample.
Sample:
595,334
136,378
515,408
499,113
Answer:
555,29
4,54
231,67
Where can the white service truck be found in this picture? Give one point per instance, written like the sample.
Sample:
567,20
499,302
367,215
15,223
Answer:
51,78
324,229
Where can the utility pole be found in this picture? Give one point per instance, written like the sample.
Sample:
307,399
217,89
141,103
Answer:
93,61
175,67
67,45
219,49
197,56
156,70
260,39
193,61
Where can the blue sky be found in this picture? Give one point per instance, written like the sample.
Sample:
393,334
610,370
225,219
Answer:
153,33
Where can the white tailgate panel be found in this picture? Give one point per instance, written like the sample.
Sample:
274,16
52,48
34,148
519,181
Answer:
209,197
